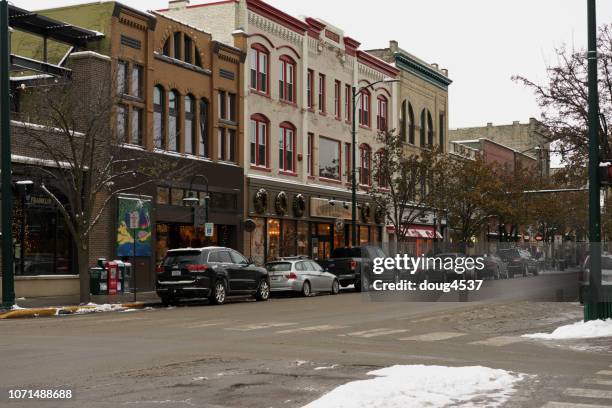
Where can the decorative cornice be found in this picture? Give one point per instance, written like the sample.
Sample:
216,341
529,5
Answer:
377,64
274,14
406,63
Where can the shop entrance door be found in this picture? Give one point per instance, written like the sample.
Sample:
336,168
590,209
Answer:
322,243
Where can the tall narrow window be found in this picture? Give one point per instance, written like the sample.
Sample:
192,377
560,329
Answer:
259,68
136,128
411,125
231,145
231,106
366,165
321,93
337,100
204,123
423,129
347,161
258,130
329,158
381,116
122,77
348,100
441,128
188,52
222,105
364,109
221,143
286,143
173,125
122,123
430,129
310,89
136,81
381,169
403,122
286,79
177,45
159,116
310,155
189,127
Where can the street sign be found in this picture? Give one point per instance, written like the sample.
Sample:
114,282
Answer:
199,216
209,229
134,219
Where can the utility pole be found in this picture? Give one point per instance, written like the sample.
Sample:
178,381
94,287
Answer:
594,308
8,284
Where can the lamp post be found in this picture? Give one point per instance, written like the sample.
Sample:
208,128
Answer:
192,201
356,92
8,283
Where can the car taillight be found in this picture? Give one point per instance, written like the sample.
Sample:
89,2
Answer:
292,275
353,265
197,268
160,269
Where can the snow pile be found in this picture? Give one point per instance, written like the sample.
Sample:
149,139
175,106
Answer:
402,386
578,330
95,308
16,307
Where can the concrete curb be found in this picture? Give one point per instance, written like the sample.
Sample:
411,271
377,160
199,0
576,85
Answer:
62,310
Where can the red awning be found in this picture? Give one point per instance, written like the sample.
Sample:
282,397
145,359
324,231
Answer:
418,231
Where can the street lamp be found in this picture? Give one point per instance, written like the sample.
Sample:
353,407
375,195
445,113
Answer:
194,202
356,92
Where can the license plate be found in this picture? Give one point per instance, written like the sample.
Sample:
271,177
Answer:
275,278
176,273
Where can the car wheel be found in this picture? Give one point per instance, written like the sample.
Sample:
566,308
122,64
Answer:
218,294
306,289
335,287
263,291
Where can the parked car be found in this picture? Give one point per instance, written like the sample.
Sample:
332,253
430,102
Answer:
353,265
301,275
212,272
436,272
584,275
494,267
519,261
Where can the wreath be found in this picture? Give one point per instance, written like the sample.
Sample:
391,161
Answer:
260,200
366,212
379,215
299,205
280,203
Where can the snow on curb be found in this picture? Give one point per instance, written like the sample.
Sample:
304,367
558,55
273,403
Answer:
17,312
403,386
578,330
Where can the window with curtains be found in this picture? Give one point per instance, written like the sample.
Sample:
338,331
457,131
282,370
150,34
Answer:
337,100
159,116
259,68
204,125
364,109
286,79
258,134
321,93
310,89
286,147
365,176
190,134
173,120
381,115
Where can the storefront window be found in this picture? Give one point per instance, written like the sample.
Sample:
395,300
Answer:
376,236
364,235
163,195
302,238
273,239
339,237
288,244
257,241
174,235
177,196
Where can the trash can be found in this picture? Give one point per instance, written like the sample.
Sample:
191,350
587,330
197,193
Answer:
98,281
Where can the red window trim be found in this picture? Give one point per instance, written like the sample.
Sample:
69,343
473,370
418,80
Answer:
338,99
310,155
285,61
288,126
363,148
362,111
259,118
382,120
321,94
259,48
310,89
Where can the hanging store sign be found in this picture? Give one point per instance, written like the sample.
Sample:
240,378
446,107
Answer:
324,208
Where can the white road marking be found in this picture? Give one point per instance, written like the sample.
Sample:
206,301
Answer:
435,336
571,405
498,341
588,393
259,326
201,325
604,372
323,327
376,332
597,381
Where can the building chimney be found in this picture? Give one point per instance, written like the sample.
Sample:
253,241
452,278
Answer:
393,45
489,124
177,4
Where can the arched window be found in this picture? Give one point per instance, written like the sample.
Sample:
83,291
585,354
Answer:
286,79
258,133
423,129
430,129
203,139
381,114
365,173
187,49
173,123
364,109
286,147
190,134
259,68
166,49
159,116
182,47
441,128
177,45
411,126
403,121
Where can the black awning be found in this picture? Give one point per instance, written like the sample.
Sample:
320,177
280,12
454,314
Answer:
38,24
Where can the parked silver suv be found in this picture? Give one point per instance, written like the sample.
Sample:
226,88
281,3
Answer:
300,275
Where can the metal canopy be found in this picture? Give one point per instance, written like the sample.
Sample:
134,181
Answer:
46,27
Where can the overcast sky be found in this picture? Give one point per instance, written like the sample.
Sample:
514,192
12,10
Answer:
481,42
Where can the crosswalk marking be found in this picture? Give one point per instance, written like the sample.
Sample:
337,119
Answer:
604,372
588,393
259,326
498,341
571,405
376,332
323,327
597,381
200,325
435,336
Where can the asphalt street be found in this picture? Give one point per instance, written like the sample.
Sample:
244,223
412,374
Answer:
290,351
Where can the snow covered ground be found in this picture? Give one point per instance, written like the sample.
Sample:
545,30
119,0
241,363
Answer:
578,330
403,386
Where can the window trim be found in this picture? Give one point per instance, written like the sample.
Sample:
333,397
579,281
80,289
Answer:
337,99
310,155
260,49
382,113
287,126
348,96
310,89
177,114
321,94
365,109
339,143
287,62
364,149
161,110
260,119
190,116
